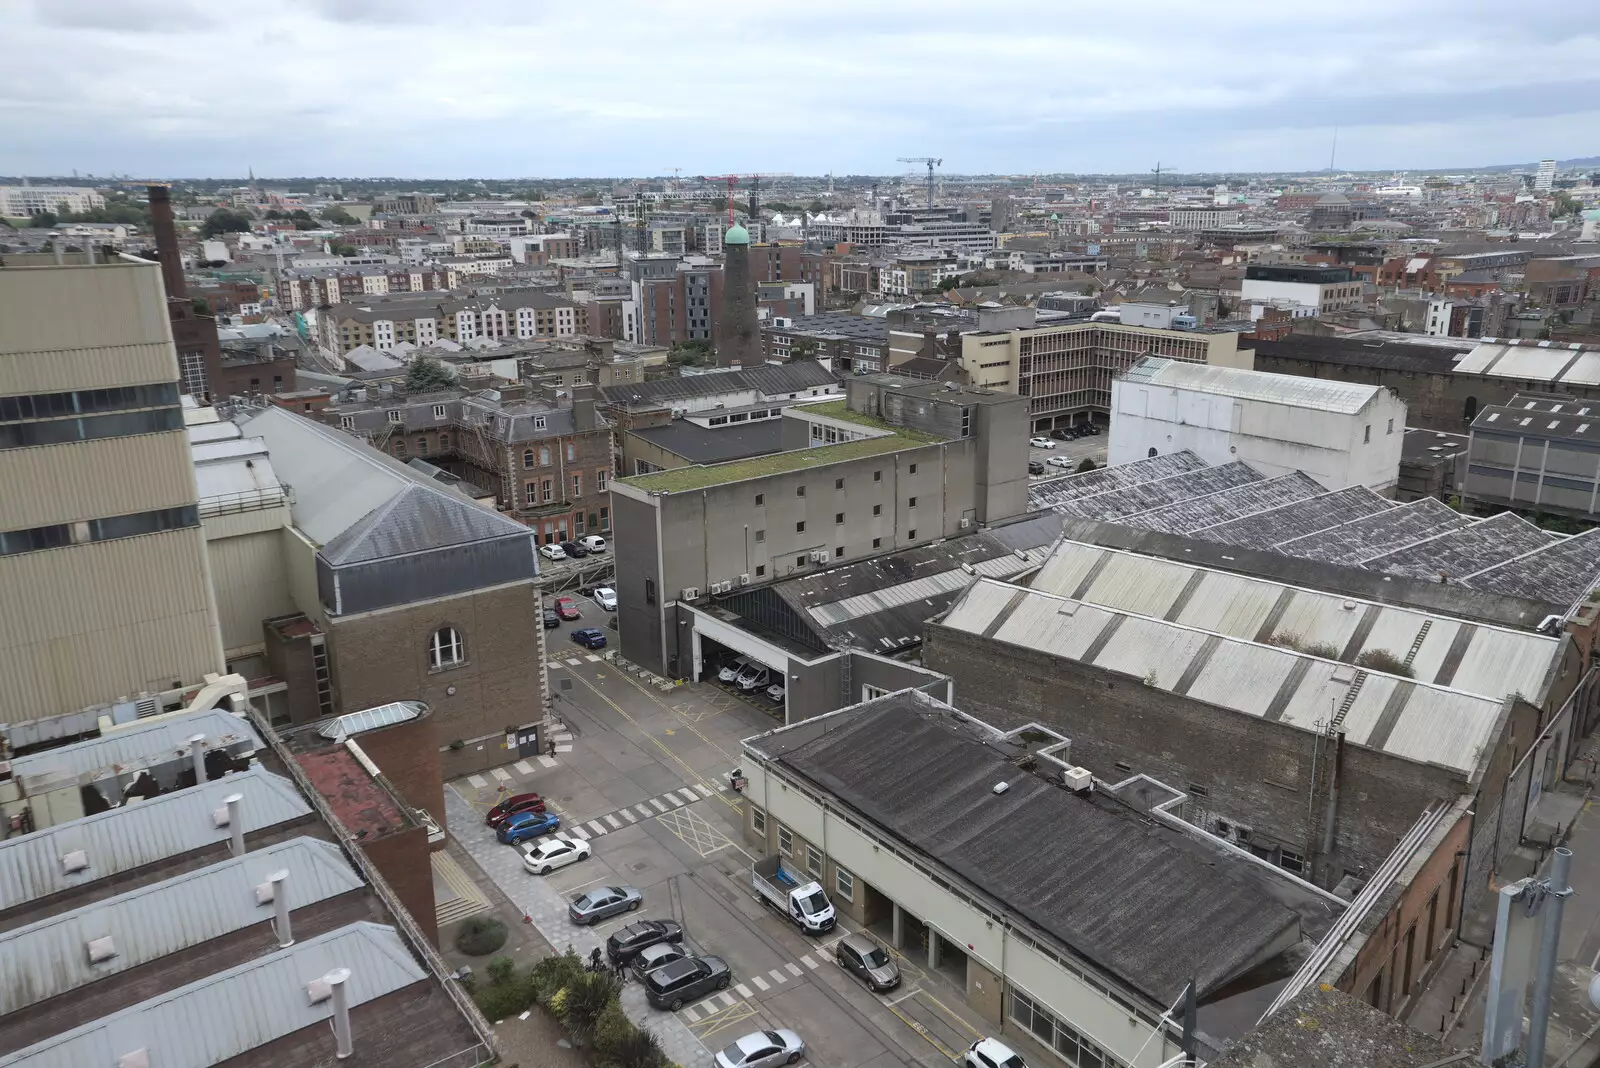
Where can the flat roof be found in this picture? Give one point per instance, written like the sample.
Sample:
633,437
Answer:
704,445
1138,904
1319,394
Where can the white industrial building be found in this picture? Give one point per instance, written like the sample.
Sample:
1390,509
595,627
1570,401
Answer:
1340,433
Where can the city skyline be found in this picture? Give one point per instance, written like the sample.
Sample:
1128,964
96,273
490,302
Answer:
484,89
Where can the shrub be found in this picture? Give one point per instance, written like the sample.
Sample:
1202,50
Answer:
640,1049
554,974
501,971
586,1000
1087,465
611,1029
1383,660
480,936
500,1000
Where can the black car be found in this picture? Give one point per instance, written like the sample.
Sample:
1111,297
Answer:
1091,428
1035,467
631,939
672,986
551,620
573,549
1061,435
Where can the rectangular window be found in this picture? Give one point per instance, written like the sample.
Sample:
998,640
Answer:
912,503
527,457
800,527
912,533
877,476
548,490
814,860
844,883
913,469
530,494
650,591
1391,426
347,422
1289,860
838,551
838,483
760,499
1367,435
577,485
393,415
761,569
799,491
838,518
572,452
877,509
539,422
785,841
600,480
761,536
544,456
758,821
800,561
877,543
1198,790
605,519
438,411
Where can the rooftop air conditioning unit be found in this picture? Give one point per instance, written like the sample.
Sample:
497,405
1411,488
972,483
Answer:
966,521
689,593
744,579
820,556
1078,780
721,587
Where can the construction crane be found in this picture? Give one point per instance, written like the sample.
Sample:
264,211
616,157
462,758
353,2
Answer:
755,190
1157,172
756,184
931,162
676,171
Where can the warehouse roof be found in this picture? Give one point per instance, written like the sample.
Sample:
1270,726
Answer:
1144,496
1374,535
1320,394
1414,720
1136,899
1053,491
140,745
1295,519
1231,503
703,445
768,380
1563,572
1467,551
1536,361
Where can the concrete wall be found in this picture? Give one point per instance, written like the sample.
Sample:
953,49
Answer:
1534,472
248,573
634,549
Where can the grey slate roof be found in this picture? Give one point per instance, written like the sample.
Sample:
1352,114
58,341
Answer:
1089,872
1378,533
1231,503
1050,492
135,835
47,958
1467,551
1266,529
769,379
1131,500
141,745
416,519
235,1011
702,445
1562,572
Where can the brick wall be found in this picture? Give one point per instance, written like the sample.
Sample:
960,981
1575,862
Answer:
1253,772
290,659
408,756
382,656
402,858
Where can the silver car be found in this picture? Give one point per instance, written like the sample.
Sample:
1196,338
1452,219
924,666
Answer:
867,961
763,1049
603,902
659,955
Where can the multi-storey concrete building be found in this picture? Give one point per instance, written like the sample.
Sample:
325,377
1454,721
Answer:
1318,289
21,201
1201,218
677,300
898,463
1538,453
102,557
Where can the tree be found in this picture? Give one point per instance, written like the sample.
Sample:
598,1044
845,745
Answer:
200,306
1087,465
805,348
691,353
224,221
1566,204
339,217
44,220
345,250
426,374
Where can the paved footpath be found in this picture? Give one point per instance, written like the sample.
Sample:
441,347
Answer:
548,910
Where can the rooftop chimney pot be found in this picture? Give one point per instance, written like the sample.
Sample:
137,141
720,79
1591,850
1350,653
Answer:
341,1011
235,824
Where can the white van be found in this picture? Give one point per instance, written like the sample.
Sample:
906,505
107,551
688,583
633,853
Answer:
593,542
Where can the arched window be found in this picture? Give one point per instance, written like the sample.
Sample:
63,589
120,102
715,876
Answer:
446,648
1471,411
527,457
1152,451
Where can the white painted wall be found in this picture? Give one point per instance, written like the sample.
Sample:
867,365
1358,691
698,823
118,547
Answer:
1306,293
1336,450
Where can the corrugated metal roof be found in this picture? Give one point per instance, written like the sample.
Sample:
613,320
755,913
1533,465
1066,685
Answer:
232,1012
142,745
134,835
1293,390
1239,673
48,958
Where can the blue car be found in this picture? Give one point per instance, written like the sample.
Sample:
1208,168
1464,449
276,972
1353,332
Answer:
590,637
526,825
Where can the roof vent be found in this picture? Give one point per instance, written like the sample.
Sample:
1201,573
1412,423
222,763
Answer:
1001,787
74,862
139,1058
101,949
319,990
1349,606
1078,780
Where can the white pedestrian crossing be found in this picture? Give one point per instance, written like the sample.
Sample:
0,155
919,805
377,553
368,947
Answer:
659,806
809,961
500,773
591,658
743,990
574,662
562,736
794,969
581,833
548,761
760,982
563,748
478,781
524,767
705,791
646,813
597,827
778,976
726,997
628,815
613,821
692,1013
673,798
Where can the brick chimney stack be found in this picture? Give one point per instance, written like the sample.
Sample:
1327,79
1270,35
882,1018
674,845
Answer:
166,241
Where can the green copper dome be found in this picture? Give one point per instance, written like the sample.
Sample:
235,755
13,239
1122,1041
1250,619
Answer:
736,235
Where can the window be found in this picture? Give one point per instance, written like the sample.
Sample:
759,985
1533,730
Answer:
838,551
399,446
572,452
539,422
761,569
544,456
393,415
444,441
649,591
347,422
877,543
838,518
760,499
800,561
1367,434
600,480
438,411
547,490
800,527
912,503
1076,1049
844,883
785,841
877,476
799,491
445,649
605,519
838,483
758,820
877,509
1198,790
1152,451
527,457
814,860
530,493
577,485
761,536
912,533
912,470
1289,860
1391,426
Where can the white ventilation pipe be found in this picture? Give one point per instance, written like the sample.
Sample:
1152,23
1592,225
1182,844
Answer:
280,908
235,824
197,756
341,1011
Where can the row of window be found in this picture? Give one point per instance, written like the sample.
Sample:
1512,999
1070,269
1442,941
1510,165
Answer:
543,453
90,428
844,883
60,535
544,492
86,401
838,484
1075,1048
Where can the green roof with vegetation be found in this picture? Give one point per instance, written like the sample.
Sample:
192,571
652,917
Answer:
700,476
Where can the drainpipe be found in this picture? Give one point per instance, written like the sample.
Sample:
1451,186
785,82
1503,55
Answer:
235,825
1334,784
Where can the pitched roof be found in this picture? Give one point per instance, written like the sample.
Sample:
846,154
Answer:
141,745
416,519
1292,390
767,379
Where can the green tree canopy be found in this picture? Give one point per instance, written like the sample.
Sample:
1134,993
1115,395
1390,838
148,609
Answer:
805,348
224,221
43,219
339,217
425,374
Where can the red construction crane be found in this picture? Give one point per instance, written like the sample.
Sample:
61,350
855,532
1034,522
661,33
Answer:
755,186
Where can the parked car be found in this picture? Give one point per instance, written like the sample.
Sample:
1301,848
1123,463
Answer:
606,598
593,542
590,637
763,1049
526,825
574,550
1060,461
1041,443
513,805
547,856
732,669
551,619
671,986
1091,428
992,1053
775,693
1062,434
625,944
552,552
867,961
753,677
1035,467
567,608
603,902
659,955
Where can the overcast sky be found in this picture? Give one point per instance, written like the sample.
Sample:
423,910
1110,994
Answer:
545,88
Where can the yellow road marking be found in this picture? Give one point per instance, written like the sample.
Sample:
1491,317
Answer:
722,1019
946,1009
680,715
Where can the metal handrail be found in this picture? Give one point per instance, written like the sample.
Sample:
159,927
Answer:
244,500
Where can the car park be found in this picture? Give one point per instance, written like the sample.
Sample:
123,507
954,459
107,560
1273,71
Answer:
625,944
551,619
567,608
775,693
1064,434
763,1049
603,902
547,856
552,552
675,984
867,961
753,677
659,955
730,671
1041,443
1035,467
526,825
590,637
1060,461
512,806
574,550
593,542
606,598
992,1053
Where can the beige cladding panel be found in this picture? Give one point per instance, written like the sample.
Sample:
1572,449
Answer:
252,584
83,327
91,623
95,479
95,368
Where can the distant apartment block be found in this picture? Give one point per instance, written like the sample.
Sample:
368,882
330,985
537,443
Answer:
1319,290
322,287
20,201
426,321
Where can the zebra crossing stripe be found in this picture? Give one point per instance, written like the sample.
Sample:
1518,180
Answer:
778,976
500,773
646,813
599,828
726,997
524,767
628,815
809,962
659,806
692,1013
705,791
613,821
478,781
794,969
548,761
581,833
743,990
760,982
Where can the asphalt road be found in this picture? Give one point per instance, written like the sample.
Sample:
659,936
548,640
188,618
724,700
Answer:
1090,448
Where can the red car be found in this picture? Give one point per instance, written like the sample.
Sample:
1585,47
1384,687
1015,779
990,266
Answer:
566,608
513,805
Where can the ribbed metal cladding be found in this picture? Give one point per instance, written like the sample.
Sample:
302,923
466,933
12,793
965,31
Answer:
94,479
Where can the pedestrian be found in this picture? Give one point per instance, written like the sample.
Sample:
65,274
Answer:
594,960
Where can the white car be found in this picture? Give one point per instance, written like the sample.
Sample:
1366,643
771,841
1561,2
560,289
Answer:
775,693
730,672
606,598
553,853
763,1049
1059,461
992,1053
552,552
594,543
1041,443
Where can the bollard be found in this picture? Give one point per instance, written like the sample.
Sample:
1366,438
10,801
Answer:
1463,988
1441,1023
